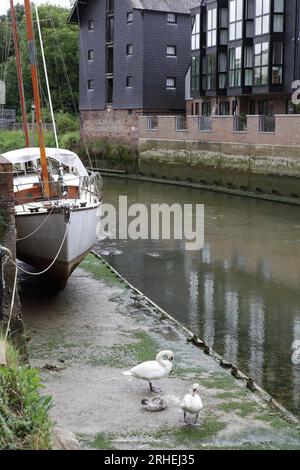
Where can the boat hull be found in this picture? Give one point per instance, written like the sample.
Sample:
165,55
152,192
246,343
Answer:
40,249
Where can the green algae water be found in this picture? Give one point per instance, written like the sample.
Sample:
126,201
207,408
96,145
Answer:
240,293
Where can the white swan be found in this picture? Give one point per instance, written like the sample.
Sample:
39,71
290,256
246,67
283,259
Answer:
296,353
153,370
192,403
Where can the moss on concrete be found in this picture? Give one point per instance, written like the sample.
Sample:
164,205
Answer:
241,408
222,382
92,264
208,428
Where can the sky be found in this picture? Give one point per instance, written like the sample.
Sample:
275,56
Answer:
4,4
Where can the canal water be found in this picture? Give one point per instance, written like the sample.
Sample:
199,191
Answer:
240,293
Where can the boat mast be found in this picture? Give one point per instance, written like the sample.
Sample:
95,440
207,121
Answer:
36,95
19,72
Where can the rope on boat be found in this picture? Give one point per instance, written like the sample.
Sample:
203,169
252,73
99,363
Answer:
38,228
50,266
8,256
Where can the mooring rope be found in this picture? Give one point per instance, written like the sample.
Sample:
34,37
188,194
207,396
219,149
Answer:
50,266
38,228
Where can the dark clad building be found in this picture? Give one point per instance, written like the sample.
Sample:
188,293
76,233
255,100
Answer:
134,55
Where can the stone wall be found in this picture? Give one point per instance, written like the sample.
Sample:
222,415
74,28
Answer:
8,239
114,124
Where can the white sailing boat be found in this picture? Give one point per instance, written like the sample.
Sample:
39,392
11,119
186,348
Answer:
57,203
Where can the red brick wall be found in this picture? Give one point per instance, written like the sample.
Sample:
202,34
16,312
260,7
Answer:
287,131
8,239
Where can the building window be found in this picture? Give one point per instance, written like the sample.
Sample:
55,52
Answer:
109,90
110,60
262,17
223,25
129,49
196,32
222,68
90,84
172,18
261,61
110,29
171,82
129,82
130,17
211,72
278,18
195,75
277,63
206,108
224,108
235,19
235,67
248,65
171,51
91,54
91,25
212,27
110,5
204,72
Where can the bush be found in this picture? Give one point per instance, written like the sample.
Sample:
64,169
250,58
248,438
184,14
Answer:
66,123
24,420
70,141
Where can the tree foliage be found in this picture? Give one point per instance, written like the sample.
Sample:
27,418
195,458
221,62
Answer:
62,56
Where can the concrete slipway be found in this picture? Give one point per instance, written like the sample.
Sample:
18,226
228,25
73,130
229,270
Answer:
83,338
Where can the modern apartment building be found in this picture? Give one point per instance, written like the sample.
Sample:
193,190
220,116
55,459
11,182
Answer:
134,55
245,57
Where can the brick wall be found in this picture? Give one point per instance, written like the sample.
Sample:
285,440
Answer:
8,239
287,130
116,125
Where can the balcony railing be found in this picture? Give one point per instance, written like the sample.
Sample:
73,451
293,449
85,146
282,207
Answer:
240,123
205,123
181,123
267,124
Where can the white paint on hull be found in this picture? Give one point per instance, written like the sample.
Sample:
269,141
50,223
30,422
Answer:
45,243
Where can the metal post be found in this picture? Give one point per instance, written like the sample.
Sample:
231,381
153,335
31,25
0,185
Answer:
32,124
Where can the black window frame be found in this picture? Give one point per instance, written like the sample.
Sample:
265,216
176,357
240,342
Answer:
173,15
129,17
91,54
129,80
129,50
91,25
171,55
90,84
171,87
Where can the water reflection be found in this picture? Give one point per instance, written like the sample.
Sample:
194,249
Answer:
240,293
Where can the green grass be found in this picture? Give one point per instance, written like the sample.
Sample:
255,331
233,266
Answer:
102,441
24,419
